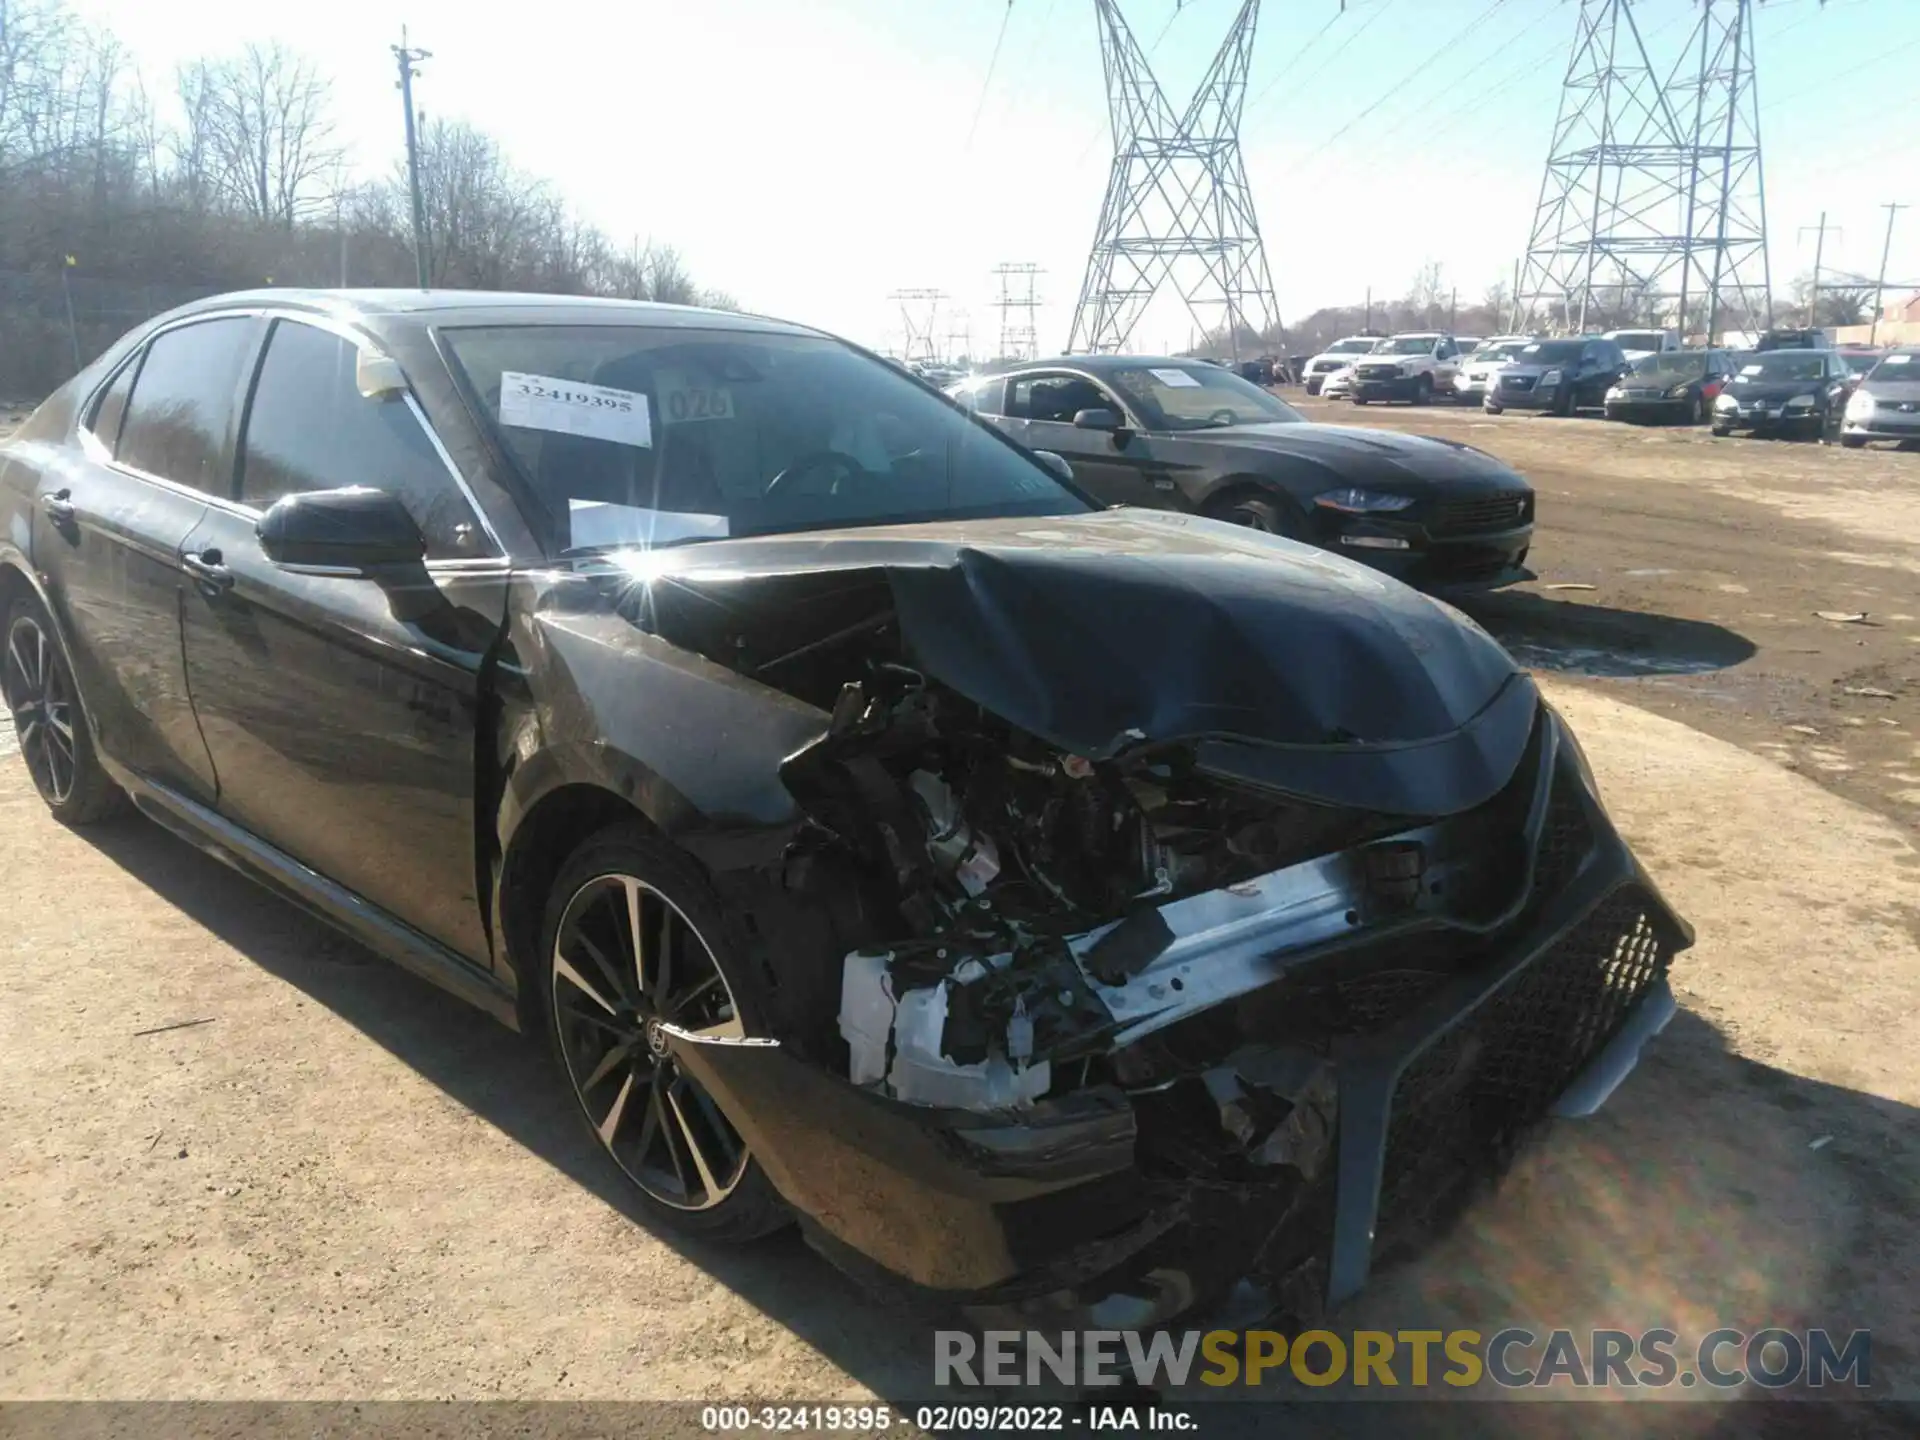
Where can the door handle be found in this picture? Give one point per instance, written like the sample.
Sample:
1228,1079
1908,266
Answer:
206,568
59,507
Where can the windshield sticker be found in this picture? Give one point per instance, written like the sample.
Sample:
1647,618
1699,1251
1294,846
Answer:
1175,379
1897,359
568,407
1751,369
683,399
601,522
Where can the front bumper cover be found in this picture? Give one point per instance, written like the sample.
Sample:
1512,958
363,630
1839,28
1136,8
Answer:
1063,1213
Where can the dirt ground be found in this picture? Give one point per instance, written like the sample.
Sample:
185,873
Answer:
343,1184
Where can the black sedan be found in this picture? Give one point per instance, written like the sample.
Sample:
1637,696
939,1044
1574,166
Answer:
1792,392
1053,907
1676,386
1177,435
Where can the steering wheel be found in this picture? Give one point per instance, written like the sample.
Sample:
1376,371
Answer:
1224,416
788,479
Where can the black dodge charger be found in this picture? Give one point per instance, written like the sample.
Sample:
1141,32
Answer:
1184,435
1063,909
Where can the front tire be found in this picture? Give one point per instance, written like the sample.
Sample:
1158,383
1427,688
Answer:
1722,431
1255,512
1852,442
1423,390
48,722
1493,409
635,937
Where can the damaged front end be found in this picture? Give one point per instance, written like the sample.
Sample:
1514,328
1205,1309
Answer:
1127,1016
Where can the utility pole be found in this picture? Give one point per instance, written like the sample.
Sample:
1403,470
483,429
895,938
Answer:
1367,323
1880,283
407,58
1453,309
1819,250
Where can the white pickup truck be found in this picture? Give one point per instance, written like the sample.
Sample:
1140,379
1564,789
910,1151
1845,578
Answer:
1411,367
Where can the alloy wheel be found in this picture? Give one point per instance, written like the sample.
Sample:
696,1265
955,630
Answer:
42,709
627,961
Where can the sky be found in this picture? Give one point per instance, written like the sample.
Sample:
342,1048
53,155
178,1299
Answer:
813,158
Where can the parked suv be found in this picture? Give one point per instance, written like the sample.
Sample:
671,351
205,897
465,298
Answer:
1559,375
1406,367
1477,371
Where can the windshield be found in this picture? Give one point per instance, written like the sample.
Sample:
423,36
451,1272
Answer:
1677,364
1904,366
1551,352
1407,345
1350,347
1639,339
1505,350
1784,365
1860,364
1180,396
658,436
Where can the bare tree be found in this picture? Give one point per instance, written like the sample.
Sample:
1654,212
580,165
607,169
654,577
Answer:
271,138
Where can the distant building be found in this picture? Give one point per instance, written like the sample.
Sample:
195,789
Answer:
1899,325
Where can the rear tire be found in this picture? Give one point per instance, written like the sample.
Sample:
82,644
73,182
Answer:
56,743
1493,409
1852,442
1698,414
1358,401
624,902
1563,402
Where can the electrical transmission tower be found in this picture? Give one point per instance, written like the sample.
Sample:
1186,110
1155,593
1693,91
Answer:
1177,209
1653,206
919,319
1019,307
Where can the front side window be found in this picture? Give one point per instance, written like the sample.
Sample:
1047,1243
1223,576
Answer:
111,408
1197,397
309,428
636,436
1056,398
182,403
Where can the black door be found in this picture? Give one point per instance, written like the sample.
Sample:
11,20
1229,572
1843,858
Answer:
1117,467
341,712
109,533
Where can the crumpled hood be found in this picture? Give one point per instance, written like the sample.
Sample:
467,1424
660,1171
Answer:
1099,632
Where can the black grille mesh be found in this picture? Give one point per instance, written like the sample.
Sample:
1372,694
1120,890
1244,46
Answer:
1565,840
1467,1099
1494,512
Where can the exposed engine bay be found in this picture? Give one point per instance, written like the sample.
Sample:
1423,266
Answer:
1055,910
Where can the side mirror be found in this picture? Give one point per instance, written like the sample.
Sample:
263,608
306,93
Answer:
1057,463
349,532
1097,420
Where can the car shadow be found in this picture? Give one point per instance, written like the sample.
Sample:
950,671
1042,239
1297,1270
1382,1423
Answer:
1599,641
1713,1190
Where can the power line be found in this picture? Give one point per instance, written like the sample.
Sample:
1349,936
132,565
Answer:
987,84
1880,59
1298,56
1339,50
1394,89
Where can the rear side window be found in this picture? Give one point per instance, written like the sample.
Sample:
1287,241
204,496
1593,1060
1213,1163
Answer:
111,408
309,428
177,419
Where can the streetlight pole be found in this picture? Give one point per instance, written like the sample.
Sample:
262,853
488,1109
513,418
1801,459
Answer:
406,58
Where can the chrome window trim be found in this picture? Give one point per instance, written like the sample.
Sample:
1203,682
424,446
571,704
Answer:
96,451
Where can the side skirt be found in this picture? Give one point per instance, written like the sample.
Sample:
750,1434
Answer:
377,929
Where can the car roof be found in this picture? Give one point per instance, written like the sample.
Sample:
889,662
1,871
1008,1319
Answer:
482,307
